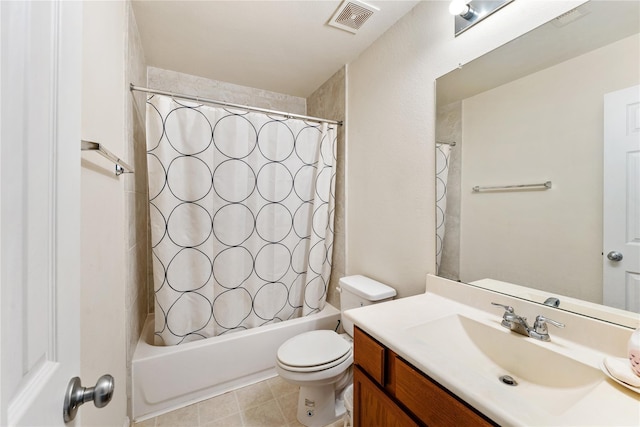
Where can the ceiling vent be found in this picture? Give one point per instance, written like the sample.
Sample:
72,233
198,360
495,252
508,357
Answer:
351,15
570,16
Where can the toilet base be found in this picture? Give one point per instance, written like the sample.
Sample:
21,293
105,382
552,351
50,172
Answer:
320,405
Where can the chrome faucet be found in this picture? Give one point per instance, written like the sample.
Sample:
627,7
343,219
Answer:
516,323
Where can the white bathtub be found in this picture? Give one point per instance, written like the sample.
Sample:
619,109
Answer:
167,378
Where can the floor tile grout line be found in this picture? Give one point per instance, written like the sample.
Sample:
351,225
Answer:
240,410
284,416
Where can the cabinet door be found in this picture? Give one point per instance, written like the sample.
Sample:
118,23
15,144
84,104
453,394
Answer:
373,408
369,355
431,403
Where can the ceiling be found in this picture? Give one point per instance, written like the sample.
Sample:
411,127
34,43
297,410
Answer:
280,46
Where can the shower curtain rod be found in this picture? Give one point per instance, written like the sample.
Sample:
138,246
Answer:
231,105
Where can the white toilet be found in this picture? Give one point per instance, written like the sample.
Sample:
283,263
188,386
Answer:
320,361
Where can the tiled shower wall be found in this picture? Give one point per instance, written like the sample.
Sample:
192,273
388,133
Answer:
449,128
329,102
173,81
136,197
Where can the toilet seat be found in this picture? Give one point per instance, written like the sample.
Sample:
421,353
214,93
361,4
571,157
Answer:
346,357
313,351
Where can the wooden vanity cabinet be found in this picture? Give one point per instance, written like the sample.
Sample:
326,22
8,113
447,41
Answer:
389,392
373,407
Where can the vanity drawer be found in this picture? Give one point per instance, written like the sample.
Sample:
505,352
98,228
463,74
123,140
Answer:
369,355
430,402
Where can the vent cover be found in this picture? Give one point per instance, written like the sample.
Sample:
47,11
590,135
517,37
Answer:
351,15
570,16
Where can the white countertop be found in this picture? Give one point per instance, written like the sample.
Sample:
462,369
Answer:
586,340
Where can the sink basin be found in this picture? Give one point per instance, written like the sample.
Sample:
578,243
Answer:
548,380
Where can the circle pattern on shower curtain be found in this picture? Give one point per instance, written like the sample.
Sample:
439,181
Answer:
300,256
237,256
315,292
270,299
240,179
189,270
190,189
301,224
231,307
276,141
275,182
303,176
443,152
181,326
199,225
155,169
274,222
187,130
233,224
241,209
234,136
308,154
272,262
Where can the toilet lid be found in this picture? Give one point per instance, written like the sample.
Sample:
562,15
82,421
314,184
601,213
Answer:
313,348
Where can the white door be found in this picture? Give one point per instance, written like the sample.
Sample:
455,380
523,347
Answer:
40,53
621,252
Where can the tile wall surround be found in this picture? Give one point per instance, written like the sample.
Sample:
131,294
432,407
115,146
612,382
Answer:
329,102
449,128
136,196
175,82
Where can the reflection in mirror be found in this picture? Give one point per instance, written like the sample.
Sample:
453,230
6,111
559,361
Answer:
534,111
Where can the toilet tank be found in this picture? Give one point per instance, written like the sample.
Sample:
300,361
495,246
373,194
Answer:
359,291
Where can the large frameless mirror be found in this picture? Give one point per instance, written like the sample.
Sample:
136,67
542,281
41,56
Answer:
525,195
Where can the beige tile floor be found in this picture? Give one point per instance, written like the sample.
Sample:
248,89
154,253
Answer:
270,403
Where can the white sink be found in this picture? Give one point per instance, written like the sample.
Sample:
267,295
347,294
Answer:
553,381
452,334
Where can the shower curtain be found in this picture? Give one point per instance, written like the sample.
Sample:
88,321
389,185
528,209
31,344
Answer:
443,152
241,209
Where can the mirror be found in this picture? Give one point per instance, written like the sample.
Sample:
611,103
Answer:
532,113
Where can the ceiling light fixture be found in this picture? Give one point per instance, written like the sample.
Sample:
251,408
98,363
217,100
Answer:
469,12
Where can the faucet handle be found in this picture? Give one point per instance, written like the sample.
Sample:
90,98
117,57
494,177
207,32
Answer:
540,325
507,308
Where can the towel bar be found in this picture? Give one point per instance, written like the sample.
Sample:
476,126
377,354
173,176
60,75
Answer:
121,165
544,186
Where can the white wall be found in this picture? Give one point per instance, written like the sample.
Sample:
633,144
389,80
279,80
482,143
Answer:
508,236
102,202
390,135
